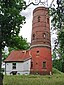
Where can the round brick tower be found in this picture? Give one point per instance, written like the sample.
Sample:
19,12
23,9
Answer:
40,42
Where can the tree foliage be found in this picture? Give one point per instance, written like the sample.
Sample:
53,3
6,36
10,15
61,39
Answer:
57,64
57,14
10,22
57,24
18,43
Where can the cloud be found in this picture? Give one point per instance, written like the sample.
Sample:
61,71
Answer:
26,13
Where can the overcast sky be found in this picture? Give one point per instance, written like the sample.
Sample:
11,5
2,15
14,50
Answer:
27,28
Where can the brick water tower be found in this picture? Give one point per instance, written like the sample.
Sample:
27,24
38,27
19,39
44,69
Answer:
40,42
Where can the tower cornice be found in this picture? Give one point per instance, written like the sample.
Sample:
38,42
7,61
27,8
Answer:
40,8
40,45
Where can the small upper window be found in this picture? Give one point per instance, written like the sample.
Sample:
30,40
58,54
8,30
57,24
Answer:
44,35
37,52
33,36
36,63
38,18
48,20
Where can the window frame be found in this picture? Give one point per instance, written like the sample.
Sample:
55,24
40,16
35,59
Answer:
44,35
33,36
14,65
38,18
37,52
44,64
48,20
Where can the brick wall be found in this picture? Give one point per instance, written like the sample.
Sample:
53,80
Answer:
40,42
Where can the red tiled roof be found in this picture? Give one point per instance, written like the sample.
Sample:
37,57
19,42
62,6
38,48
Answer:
18,56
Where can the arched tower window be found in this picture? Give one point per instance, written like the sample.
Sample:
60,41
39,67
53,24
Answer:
33,36
38,18
44,64
48,20
37,53
44,35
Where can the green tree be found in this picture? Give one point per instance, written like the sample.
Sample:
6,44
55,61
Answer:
10,22
18,43
57,14
57,63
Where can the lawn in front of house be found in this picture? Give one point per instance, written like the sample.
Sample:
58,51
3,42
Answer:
56,79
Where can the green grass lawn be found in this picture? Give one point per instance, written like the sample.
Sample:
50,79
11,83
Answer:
56,79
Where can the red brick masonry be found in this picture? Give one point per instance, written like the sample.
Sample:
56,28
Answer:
40,42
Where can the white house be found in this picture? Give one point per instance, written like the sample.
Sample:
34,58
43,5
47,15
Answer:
18,62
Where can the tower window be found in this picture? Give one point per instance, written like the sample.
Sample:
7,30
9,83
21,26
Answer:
48,36
44,64
38,18
37,52
33,36
44,42
48,20
36,63
13,65
44,35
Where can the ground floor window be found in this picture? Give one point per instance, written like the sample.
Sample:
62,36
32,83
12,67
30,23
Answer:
13,65
44,64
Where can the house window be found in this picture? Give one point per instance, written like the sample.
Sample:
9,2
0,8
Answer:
44,64
13,65
33,36
38,18
31,64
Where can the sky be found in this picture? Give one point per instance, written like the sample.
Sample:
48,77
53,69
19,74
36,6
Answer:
26,29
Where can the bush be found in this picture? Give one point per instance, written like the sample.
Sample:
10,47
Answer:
56,71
